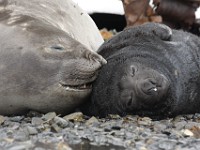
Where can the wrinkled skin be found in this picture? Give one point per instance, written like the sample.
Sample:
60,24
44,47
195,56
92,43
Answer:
42,67
148,72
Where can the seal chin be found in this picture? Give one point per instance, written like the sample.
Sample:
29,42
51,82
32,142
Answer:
77,88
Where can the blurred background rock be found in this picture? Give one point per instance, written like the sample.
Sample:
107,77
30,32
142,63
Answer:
112,16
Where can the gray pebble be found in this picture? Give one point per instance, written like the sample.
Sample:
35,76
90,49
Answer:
115,132
37,121
31,130
167,145
77,116
2,119
49,116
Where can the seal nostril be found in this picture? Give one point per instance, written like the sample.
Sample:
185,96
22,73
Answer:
153,91
97,58
150,87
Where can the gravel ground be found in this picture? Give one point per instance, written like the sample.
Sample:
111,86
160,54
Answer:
76,131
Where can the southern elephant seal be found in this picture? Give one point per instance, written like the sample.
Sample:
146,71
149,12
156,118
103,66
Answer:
47,56
148,75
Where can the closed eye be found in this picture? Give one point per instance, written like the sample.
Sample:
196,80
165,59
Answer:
57,47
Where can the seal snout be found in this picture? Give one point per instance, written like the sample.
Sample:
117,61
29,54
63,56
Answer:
154,88
97,58
150,86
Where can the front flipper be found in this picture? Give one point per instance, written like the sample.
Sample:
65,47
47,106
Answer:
133,35
160,30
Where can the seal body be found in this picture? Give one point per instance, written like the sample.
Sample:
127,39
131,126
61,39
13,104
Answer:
46,64
148,74
64,15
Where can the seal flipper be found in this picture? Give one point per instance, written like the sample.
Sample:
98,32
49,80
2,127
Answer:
130,36
160,30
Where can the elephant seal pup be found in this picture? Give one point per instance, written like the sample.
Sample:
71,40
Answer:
42,66
145,75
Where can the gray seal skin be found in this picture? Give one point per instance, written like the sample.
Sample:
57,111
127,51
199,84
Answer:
42,66
62,14
147,74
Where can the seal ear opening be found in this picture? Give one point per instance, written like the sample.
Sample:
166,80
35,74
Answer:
132,70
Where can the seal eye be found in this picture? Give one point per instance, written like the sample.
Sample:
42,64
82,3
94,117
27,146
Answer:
57,47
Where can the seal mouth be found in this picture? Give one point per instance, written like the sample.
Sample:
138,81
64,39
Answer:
81,87
151,91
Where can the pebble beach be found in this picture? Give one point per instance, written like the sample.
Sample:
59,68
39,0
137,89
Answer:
79,132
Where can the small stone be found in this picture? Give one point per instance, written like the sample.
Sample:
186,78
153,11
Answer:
178,118
16,126
37,121
21,135
91,121
49,116
39,148
196,116
180,125
175,134
158,127
146,121
63,146
143,148
2,119
167,145
191,124
190,116
33,114
187,132
112,116
129,143
130,118
55,128
17,118
77,116
61,122
21,146
196,131
9,133
9,140
31,130
114,140
43,127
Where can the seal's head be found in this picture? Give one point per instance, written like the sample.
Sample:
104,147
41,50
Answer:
45,70
128,88
42,67
140,87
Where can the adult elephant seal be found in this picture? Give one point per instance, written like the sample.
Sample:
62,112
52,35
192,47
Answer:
45,63
145,75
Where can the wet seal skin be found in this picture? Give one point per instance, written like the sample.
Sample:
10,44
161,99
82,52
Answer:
47,56
151,70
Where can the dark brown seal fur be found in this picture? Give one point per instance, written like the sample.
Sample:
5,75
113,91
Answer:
147,74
